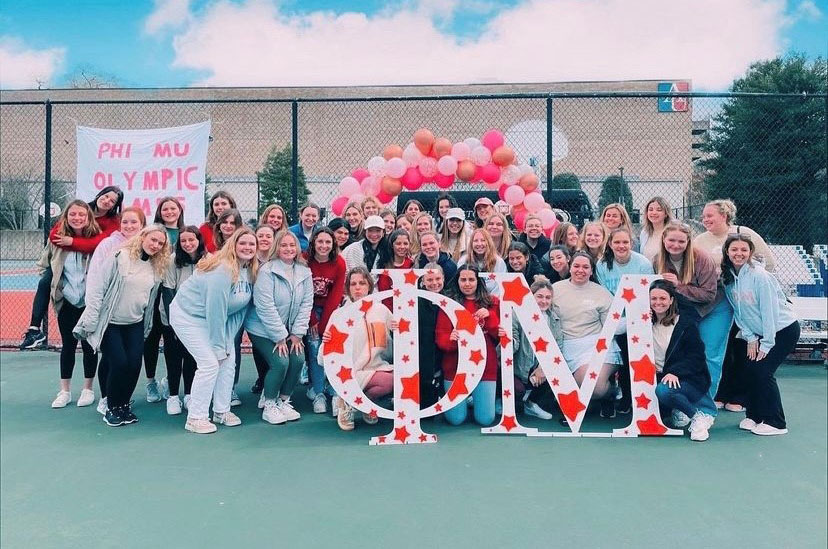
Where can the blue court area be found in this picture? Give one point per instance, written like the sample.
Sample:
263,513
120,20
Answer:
18,275
68,480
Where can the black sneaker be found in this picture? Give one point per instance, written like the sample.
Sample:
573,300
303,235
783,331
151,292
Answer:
32,338
257,387
607,409
128,416
114,417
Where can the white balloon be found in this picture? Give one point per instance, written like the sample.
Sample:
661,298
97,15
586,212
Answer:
376,166
447,165
480,155
472,142
412,155
395,167
511,174
525,169
460,151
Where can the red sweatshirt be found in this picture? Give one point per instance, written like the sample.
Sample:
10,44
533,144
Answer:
328,289
206,231
87,245
490,328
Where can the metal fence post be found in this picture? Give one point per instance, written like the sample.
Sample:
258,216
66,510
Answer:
294,160
549,169
47,199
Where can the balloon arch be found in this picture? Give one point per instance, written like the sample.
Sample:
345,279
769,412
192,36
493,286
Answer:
427,159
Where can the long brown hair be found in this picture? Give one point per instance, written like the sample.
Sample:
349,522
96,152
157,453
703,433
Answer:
211,214
672,313
727,265
91,229
688,265
180,223
218,237
668,216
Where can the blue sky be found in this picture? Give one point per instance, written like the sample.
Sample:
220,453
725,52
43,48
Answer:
176,43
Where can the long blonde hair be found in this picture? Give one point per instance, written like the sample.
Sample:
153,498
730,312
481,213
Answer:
459,246
582,240
489,258
415,236
506,239
91,229
134,247
688,265
625,217
668,217
227,256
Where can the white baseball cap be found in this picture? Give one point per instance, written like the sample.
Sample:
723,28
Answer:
455,213
374,222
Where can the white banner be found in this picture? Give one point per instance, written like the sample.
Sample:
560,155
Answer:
147,165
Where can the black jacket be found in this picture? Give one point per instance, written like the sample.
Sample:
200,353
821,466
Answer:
685,353
533,267
542,247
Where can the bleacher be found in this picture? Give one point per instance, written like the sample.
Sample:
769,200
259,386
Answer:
797,271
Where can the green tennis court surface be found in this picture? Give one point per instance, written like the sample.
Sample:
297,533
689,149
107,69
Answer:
68,480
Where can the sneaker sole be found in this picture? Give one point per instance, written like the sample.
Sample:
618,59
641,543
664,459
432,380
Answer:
37,343
780,432
277,422
114,424
193,430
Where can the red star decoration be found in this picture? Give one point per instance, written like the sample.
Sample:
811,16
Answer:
372,412
555,381
643,369
504,340
556,360
358,400
410,302
350,322
641,401
593,375
463,342
411,387
381,439
601,345
634,339
507,393
458,387
466,321
344,374
508,423
397,292
438,407
401,415
616,316
406,358
405,325
645,317
514,291
443,303
423,437
336,343
628,295
540,345
508,362
571,405
385,272
476,356
536,317
645,282
651,426
366,306
491,276
411,278
401,434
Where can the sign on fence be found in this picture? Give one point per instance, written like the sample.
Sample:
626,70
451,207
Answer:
147,164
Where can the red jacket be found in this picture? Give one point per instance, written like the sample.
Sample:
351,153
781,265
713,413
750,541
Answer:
87,245
490,328
328,289
206,231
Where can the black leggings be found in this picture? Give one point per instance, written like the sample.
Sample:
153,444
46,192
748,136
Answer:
733,386
153,341
103,374
67,319
40,306
764,405
180,363
122,345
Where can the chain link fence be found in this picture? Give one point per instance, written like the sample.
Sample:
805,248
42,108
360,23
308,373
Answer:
767,152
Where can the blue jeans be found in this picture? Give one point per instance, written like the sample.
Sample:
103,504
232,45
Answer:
316,371
714,330
484,405
683,398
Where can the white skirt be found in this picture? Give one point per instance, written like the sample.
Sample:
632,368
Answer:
577,352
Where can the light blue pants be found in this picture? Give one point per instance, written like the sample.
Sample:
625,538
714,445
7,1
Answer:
484,405
714,330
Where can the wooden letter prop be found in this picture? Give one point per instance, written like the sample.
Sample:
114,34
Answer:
338,357
632,299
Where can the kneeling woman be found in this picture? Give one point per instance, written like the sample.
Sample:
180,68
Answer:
283,297
767,322
679,359
469,290
206,314
119,312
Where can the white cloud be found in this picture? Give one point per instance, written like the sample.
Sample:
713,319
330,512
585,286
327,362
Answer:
168,14
807,10
24,67
252,43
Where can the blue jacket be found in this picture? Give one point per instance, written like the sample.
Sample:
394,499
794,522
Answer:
300,234
760,306
281,308
609,278
443,260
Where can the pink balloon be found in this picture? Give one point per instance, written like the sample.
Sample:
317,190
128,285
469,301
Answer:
412,155
492,186
428,167
370,186
339,204
348,186
501,192
481,155
447,165
533,201
490,173
548,219
384,197
376,166
359,174
412,179
395,167
514,195
510,174
519,218
444,181
357,197
460,151
492,139
478,173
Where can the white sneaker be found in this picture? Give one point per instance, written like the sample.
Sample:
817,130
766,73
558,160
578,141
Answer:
234,398
62,399
173,405
200,426
336,404
532,409
164,388
227,418
287,409
310,393
345,417
272,413
679,419
153,395
747,424
102,407
86,397
768,430
186,402
261,403
699,426
320,405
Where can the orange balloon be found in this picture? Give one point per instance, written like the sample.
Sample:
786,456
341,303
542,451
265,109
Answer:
392,151
390,185
503,155
423,140
465,170
529,182
442,147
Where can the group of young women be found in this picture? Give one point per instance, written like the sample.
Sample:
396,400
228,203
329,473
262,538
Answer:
119,285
